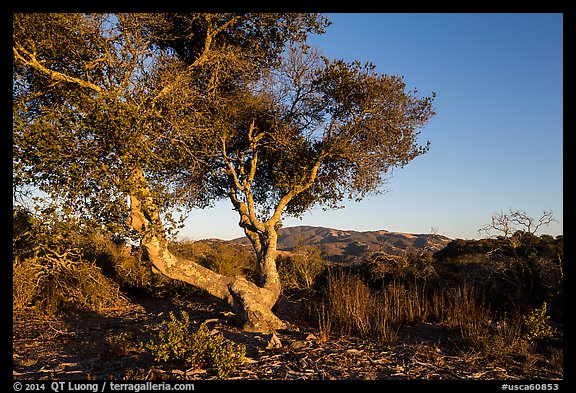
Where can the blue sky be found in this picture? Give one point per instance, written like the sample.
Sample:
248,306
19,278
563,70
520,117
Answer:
497,137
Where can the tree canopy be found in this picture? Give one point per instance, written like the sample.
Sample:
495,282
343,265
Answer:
96,95
122,118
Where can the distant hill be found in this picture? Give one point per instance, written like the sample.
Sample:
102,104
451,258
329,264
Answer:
346,245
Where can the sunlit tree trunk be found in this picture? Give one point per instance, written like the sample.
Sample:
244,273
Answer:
251,304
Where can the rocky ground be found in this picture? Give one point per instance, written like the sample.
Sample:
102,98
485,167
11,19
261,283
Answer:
79,347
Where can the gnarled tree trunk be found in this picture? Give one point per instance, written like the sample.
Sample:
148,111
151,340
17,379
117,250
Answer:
251,303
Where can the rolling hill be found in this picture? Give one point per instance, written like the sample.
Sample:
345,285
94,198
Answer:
346,245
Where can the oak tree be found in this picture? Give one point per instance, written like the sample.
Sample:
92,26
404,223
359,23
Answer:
125,117
310,132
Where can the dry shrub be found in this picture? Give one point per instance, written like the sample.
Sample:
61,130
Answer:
324,322
504,340
24,290
298,272
124,343
464,309
407,268
461,308
351,308
129,267
349,302
406,303
50,271
119,261
54,282
220,256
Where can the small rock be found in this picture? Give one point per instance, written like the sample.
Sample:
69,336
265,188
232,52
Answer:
67,365
298,345
194,371
274,342
250,360
311,337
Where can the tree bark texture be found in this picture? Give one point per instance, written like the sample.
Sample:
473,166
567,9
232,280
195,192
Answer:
251,303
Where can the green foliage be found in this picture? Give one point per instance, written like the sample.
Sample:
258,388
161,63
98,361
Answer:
83,122
124,342
536,324
238,106
175,343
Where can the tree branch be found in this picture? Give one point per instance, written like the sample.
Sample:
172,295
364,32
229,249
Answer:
230,170
296,190
55,75
210,34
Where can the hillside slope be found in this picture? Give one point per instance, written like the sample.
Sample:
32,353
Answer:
346,245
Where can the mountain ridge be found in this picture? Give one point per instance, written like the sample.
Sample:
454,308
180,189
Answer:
340,245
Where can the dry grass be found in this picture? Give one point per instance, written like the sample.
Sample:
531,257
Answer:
350,307
460,307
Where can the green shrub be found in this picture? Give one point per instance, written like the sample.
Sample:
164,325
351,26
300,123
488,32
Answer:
536,324
175,343
124,342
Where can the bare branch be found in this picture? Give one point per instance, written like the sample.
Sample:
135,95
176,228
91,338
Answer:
514,220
